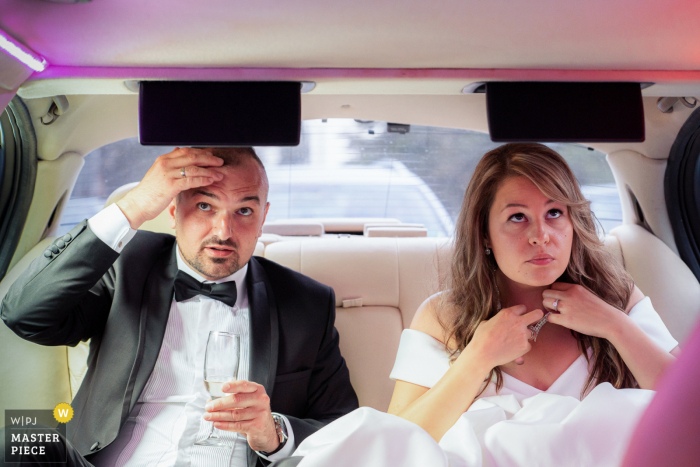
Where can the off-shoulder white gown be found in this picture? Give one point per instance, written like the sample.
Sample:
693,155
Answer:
518,426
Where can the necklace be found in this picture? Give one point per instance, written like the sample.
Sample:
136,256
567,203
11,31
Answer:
535,327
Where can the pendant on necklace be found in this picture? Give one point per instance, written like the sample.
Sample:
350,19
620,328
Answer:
535,327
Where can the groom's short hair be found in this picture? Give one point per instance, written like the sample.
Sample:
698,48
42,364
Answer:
235,156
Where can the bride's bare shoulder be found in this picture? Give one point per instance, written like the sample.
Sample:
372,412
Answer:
635,297
432,314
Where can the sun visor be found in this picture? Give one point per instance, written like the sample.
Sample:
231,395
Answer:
217,113
565,112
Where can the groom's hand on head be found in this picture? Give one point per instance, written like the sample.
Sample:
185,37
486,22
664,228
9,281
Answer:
245,410
165,180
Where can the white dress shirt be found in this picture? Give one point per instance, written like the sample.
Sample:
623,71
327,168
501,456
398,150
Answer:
168,417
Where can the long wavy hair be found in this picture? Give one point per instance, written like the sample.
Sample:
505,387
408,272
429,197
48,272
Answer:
471,290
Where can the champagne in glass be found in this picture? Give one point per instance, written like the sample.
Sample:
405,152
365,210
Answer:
214,384
220,367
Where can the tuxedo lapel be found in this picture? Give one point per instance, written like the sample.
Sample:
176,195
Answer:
264,333
155,309
264,330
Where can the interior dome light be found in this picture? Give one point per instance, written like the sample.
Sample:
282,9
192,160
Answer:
22,53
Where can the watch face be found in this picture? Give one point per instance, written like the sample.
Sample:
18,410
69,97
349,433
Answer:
281,427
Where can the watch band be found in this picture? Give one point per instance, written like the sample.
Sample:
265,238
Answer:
281,428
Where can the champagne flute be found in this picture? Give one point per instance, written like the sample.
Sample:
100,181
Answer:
220,367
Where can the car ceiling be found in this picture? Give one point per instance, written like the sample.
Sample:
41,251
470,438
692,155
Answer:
549,34
396,61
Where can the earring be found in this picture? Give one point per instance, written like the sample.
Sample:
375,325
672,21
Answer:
488,251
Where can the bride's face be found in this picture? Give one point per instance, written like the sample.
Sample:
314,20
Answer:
530,234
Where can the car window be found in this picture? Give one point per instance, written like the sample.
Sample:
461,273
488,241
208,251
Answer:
351,168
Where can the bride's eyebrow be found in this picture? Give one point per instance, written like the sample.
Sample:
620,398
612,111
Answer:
513,205
516,205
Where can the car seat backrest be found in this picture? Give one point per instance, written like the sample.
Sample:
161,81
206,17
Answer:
663,276
31,376
379,284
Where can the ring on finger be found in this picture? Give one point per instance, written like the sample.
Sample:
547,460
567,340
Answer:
533,336
555,304
182,172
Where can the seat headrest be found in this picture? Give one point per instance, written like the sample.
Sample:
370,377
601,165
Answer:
344,224
402,225
398,231
294,228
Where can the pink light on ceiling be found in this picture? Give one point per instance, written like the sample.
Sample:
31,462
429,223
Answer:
22,53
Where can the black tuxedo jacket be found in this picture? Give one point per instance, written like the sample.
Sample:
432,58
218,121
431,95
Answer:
83,289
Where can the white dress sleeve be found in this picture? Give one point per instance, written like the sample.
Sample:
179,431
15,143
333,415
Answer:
421,359
644,315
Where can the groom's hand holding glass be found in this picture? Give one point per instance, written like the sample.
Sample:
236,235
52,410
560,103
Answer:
245,410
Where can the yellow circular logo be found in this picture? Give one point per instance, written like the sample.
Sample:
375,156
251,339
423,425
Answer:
63,413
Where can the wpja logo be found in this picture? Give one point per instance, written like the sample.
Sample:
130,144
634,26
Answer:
35,436
63,413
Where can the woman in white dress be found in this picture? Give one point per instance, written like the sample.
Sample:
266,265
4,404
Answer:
531,355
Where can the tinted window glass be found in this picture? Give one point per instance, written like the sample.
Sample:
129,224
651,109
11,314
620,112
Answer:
348,168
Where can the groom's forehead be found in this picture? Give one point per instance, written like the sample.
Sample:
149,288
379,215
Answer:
245,194
241,183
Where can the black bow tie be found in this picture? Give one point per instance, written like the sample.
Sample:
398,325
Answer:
187,287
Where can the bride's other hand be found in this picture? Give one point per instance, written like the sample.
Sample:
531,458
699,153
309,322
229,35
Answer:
581,310
503,338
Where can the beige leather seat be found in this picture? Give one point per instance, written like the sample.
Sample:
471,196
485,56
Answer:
380,282
661,275
31,376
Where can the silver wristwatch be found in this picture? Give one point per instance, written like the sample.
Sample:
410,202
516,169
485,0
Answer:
281,428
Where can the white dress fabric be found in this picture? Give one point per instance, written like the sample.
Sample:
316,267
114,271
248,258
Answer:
518,426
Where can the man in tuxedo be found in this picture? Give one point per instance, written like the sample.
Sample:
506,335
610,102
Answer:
147,301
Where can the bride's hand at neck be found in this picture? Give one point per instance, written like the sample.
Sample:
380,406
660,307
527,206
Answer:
582,311
555,348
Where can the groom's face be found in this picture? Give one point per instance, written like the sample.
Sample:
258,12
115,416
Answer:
217,226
